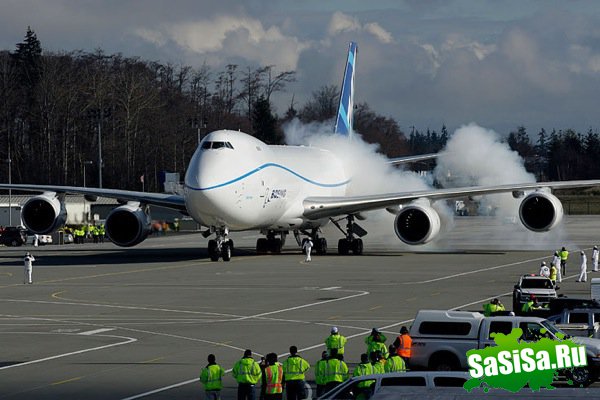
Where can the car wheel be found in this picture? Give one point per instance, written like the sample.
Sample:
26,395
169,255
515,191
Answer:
581,376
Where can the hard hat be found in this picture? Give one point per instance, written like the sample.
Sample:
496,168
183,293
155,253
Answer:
582,252
596,247
334,329
543,262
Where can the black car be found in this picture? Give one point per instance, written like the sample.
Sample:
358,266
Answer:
13,236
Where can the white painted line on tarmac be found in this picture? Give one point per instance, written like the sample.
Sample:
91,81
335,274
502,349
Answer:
95,331
332,288
127,341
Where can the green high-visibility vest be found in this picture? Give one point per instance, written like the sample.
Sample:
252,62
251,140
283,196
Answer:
246,370
362,370
395,364
321,372
378,368
337,371
336,341
294,368
211,377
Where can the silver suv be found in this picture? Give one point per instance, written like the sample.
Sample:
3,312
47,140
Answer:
532,285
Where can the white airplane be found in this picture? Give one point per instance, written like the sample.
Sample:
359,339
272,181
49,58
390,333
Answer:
235,182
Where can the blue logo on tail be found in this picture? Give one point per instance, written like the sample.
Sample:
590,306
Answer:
343,122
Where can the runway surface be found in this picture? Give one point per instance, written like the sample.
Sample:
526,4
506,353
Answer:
102,322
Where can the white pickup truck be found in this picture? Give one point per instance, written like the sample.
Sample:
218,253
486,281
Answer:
441,339
579,322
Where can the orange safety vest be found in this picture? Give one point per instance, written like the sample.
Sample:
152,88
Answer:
274,375
404,350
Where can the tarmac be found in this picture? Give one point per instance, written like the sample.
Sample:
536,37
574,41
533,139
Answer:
103,322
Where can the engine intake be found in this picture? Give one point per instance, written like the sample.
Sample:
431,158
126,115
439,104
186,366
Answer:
44,213
417,223
127,225
540,211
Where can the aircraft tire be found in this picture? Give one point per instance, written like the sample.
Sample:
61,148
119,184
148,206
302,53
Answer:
212,250
357,247
343,247
262,246
226,251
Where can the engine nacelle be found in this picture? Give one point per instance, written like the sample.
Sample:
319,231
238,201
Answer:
44,213
127,225
540,211
417,223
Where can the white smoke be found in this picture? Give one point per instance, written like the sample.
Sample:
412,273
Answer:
474,156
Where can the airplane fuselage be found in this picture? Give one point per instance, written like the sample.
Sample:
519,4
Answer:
237,181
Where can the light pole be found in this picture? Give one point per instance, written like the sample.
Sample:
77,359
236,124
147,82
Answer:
84,175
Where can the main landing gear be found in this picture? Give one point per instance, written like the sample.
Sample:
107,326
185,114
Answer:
350,243
221,246
271,243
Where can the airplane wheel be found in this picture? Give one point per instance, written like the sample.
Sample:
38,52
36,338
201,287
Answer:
212,250
343,247
226,251
322,246
275,246
262,246
357,247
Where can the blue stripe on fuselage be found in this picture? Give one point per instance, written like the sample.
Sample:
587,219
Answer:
267,165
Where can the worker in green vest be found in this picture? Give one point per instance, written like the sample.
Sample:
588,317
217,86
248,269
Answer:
564,256
247,373
364,368
394,363
294,368
321,374
336,341
211,377
337,371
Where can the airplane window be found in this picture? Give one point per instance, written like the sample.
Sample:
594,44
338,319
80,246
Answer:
228,145
206,145
218,145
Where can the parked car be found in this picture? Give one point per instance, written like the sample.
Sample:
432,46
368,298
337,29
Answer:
397,383
13,236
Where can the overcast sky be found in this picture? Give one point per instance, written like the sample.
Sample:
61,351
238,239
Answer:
500,64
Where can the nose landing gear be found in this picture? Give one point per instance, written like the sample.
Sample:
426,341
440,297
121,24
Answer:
221,246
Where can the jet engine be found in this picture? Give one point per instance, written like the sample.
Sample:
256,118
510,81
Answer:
540,211
44,213
127,225
417,223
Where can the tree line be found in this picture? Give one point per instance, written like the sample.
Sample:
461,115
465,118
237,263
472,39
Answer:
60,110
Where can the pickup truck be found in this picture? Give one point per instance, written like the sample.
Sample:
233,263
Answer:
578,322
441,339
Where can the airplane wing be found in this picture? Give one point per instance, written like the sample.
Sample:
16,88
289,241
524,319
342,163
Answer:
159,199
409,159
324,207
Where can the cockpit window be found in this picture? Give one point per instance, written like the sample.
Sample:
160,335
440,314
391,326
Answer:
216,145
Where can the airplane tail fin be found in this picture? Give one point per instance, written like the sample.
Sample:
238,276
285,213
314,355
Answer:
343,122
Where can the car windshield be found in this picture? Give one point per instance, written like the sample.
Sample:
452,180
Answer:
536,284
553,329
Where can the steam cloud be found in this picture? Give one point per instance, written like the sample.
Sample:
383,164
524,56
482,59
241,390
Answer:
473,156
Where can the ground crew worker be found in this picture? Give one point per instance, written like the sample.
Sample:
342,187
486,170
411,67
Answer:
336,341
376,341
272,378
556,263
293,372
583,268
377,363
28,268
553,273
544,270
211,377
307,247
532,304
595,254
394,363
320,374
564,256
102,233
403,343
492,307
337,371
247,373
364,368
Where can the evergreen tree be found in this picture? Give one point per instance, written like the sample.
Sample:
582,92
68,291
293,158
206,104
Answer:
264,123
